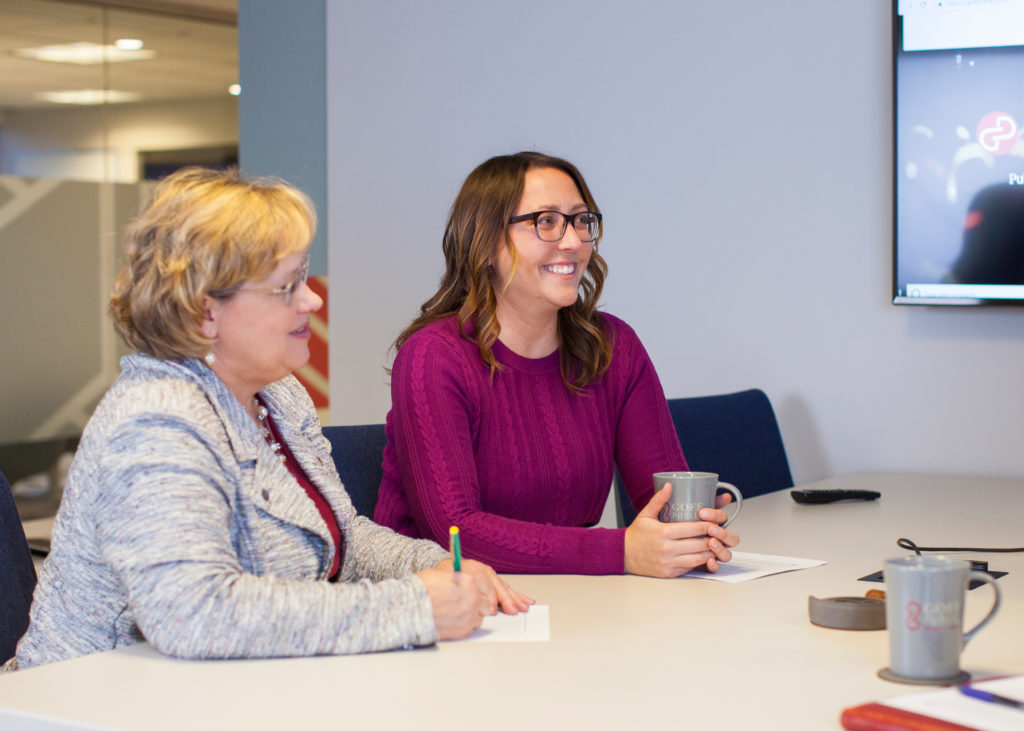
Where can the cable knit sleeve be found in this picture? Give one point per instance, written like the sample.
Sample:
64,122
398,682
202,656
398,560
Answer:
432,456
646,440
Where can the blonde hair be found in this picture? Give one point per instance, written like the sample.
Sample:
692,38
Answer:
477,225
204,233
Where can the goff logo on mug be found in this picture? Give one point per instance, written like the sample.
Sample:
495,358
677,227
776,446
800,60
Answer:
692,491
913,616
925,616
680,512
935,616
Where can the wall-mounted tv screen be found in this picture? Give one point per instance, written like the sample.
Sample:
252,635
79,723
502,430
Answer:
959,155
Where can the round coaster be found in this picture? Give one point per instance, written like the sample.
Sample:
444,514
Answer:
847,612
962,677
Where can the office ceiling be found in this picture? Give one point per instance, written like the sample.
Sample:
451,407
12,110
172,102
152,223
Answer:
196,43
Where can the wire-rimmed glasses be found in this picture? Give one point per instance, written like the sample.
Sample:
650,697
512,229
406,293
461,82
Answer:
287,290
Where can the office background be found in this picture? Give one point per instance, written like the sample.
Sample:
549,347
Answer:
741,153
72,175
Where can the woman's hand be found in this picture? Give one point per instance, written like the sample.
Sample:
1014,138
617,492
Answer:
667,550
503,596
458,604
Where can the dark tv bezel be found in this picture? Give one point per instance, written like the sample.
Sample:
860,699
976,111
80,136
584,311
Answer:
897,299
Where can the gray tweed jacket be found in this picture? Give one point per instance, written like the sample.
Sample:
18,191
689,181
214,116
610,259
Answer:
179,527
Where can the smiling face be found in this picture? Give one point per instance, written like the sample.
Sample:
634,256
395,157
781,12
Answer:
257,337
547,275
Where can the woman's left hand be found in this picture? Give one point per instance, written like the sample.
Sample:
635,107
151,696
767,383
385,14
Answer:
502,595
667,550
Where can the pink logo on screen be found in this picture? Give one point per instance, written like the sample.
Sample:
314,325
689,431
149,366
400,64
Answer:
998,133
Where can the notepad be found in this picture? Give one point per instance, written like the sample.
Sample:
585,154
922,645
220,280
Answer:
530,626
942,708
949,704
747,566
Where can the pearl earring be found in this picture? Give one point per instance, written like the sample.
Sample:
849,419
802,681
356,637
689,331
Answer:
209,358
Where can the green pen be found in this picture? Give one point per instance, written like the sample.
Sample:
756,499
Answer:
456,549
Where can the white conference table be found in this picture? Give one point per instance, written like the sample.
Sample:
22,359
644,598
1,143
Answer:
625,652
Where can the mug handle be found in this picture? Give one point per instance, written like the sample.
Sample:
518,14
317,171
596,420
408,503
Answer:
982,576
737,501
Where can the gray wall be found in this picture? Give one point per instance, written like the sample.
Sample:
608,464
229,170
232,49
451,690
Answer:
282,122
741,154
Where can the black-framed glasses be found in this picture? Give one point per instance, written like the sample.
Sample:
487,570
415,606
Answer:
287,290
551,225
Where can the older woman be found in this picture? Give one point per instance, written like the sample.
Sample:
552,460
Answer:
203,512
513,399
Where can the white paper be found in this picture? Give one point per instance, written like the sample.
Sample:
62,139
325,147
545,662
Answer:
747,566
529,626
949,704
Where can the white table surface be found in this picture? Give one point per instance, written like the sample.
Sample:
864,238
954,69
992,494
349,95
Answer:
625,652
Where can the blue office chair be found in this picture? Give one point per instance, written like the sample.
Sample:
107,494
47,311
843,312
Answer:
17,574
735,435
358,453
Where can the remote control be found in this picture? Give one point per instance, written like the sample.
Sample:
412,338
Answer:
830,496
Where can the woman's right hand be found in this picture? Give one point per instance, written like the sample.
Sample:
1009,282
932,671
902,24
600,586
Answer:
457,600
668,550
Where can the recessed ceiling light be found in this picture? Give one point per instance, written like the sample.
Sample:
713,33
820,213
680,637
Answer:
235,89
84,53
88,96
128,44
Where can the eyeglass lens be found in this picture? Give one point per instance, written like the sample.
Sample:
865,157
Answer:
300,279
551,225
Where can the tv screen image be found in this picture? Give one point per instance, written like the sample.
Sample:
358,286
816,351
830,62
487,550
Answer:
959,155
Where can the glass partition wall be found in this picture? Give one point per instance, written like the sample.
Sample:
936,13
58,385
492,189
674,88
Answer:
94,101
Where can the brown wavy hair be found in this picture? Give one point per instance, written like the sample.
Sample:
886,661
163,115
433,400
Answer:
477,225
205,232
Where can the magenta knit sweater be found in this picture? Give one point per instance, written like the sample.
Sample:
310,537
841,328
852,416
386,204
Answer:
521,464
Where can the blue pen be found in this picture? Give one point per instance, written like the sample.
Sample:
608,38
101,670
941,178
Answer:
984,695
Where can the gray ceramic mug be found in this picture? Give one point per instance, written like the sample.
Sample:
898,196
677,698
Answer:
924,606
692,491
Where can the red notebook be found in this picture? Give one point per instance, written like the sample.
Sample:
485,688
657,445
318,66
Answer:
880,717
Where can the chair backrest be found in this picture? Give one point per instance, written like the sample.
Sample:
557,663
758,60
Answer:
358,453
17,574
735,435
